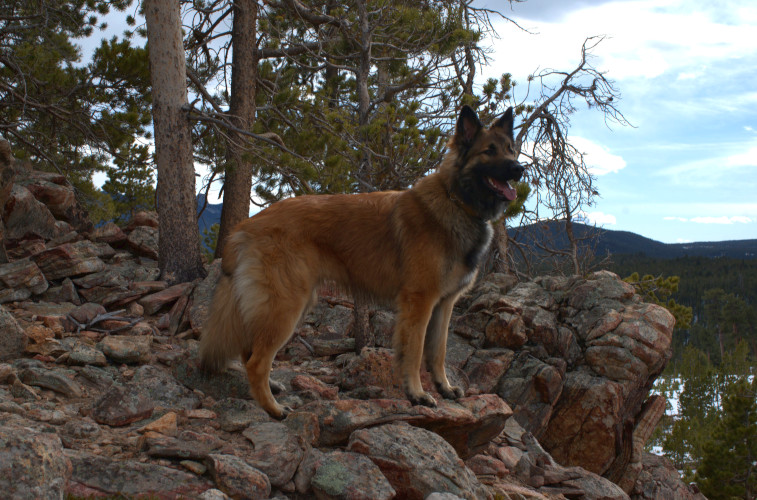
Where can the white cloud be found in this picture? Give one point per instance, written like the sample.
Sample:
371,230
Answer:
725,161
679,219
600,218
723,219
599,159
646,38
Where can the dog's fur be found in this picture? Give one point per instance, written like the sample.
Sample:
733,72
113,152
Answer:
417,249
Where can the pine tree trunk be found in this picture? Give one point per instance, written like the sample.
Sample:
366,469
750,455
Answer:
237,185
179,239
362,331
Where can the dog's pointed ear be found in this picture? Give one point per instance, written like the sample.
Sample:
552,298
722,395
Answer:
506,122
468,126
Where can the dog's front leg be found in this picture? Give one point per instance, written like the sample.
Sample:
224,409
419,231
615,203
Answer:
415,310
435,348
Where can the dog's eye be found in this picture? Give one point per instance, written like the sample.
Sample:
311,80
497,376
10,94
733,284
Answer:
491,150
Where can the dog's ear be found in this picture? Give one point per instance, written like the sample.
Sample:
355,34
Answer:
468,126
506,122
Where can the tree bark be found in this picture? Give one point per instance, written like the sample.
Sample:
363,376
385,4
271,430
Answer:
179,239
237,185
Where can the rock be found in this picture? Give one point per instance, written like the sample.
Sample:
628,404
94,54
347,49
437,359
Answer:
238,414
143,218
468,424
69,259
506,330
484,465
238,479
373,367
87,312
583,428
27,218
143,240
50,379
109,233
95,475
188,445
660,479
32,464
153,302
277,451
313,385
487,366
416,462
126,349
55,192
625,473
596,487
344,475
119,406
66,292
81,429
82,354
165,425
20,280
533,388
162,388
12,338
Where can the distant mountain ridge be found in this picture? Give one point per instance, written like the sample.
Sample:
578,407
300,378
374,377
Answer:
628,243
612,241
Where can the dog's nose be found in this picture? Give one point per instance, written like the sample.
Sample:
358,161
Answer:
517,170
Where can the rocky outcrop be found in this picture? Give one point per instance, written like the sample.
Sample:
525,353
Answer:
100,393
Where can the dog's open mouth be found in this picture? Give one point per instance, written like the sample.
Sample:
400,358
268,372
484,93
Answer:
503,189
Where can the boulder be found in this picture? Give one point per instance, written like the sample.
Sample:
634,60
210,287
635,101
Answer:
97,476
32,463
20,280
26,218
416,462
69,259
12,338
237,478
467,424
342,475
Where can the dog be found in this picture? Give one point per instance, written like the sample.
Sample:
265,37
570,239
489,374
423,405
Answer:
417,249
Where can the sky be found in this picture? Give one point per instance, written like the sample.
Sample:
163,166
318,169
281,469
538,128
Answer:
686,170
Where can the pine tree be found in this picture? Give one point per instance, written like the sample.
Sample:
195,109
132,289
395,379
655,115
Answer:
131,182
729,463
697,409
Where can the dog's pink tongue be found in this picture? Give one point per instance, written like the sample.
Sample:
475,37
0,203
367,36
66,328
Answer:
504,188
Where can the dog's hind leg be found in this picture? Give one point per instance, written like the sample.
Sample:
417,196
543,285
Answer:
435,348
276,387
271,331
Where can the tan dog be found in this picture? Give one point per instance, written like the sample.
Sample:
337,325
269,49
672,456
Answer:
417,250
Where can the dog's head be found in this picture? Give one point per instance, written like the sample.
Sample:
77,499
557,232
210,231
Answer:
485,163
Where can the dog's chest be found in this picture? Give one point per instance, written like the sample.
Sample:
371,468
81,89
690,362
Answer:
477,245
474,245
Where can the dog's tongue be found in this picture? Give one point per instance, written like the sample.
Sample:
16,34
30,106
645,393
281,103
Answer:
504,188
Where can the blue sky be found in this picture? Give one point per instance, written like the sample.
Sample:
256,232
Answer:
687,74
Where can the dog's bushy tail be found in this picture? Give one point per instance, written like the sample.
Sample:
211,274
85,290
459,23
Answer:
220,339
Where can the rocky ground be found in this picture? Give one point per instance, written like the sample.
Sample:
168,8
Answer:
100,393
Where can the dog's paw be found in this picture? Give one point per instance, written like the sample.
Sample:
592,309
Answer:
424,399
280,412
451,392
